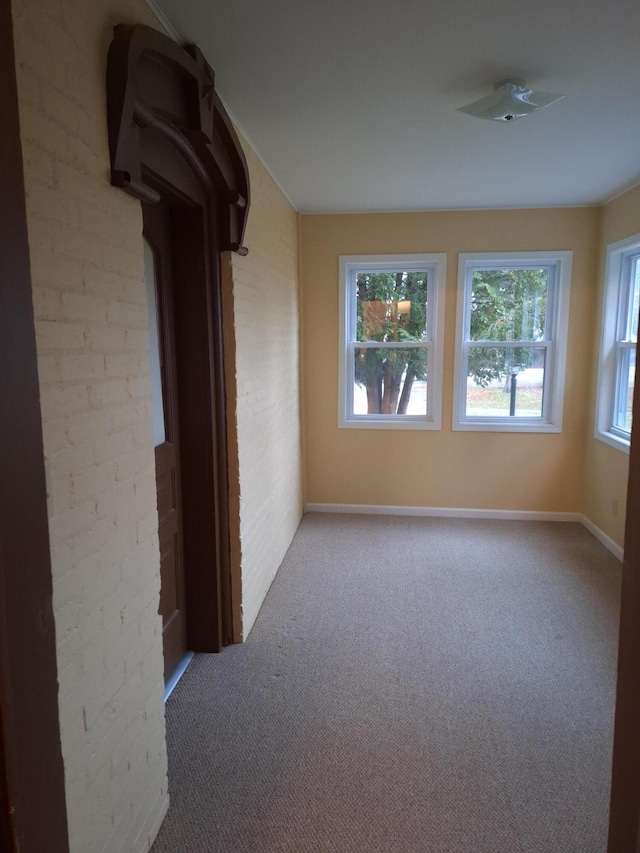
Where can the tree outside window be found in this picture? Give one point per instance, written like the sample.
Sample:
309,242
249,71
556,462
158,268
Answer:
392,312
512,316
391,308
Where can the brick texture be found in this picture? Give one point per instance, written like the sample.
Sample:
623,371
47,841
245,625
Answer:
262,358
90,306
89,297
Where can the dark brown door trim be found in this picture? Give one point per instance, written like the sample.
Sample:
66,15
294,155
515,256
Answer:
32,777
159,275
198,330
171,142
624,820
154,83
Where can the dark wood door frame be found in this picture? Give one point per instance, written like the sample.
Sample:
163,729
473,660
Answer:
203,426
624,818
159,275
172,142
32,795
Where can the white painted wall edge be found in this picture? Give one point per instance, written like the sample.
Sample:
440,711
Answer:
601,536
150,830
464,512
164,21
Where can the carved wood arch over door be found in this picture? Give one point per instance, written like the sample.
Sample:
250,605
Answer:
172,144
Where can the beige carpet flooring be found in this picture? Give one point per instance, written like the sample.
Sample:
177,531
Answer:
411,684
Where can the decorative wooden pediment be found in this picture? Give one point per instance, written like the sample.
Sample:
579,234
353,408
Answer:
155,84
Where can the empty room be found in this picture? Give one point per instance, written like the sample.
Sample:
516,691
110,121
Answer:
321,507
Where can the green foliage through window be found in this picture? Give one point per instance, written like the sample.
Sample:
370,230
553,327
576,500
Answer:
506,305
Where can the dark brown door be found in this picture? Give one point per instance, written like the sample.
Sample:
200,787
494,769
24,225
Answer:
172,142
624,822
166,427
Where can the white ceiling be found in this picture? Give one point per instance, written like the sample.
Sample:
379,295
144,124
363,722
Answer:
352,104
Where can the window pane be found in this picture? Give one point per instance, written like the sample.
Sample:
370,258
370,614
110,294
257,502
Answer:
505,382
631,381
508,304
623,417
635,300
390,381
391,306
155,357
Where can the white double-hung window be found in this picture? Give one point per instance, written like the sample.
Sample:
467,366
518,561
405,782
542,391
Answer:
391,319
619,336
511,340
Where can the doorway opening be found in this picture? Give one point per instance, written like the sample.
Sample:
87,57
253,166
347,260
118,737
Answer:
183,279
174,148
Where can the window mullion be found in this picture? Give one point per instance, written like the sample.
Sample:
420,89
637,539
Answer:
430,374
624,309
548,379
350,372
391,344
521,344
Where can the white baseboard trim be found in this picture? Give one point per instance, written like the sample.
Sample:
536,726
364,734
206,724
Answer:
459,512
444,512
602,537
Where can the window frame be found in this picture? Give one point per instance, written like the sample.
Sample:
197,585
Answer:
616,314
555,342
349,266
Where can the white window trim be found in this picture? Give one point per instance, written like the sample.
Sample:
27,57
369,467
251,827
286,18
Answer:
436,265
618,256
556,343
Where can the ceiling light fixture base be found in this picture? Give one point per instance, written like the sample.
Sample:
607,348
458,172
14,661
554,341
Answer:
510,100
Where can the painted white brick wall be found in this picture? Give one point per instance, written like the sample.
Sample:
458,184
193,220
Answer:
89,298
261,292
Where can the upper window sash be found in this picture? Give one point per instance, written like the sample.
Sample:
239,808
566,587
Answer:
627,316
354,269
502,262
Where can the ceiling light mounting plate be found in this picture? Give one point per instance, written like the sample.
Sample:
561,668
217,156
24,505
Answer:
510,100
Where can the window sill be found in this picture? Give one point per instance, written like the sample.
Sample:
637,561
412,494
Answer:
501,426
613,440
388,423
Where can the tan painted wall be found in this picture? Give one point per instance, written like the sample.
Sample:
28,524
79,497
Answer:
606,468
443,468
89,298
261,302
